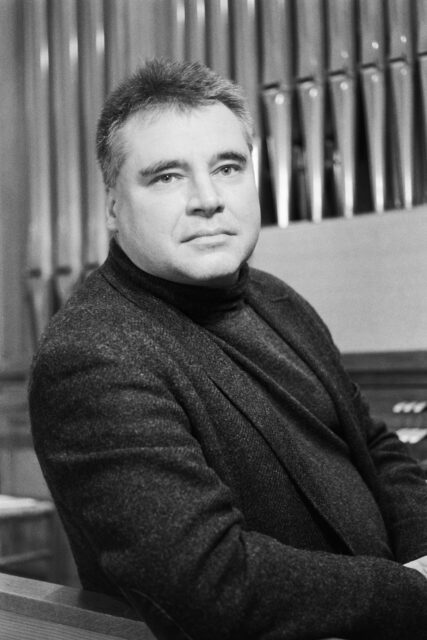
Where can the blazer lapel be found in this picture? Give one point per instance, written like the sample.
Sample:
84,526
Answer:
313,457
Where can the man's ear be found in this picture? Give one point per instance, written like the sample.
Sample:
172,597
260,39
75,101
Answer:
112,210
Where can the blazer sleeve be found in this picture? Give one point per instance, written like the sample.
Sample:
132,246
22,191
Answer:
127,473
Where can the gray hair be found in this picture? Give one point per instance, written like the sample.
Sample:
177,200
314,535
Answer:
159,85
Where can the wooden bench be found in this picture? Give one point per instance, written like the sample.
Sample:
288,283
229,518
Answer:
33,609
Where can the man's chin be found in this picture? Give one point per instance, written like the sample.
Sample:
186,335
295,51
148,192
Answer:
222,274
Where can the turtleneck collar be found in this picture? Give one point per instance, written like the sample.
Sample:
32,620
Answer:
202,304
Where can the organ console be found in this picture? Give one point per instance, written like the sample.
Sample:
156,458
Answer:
395,384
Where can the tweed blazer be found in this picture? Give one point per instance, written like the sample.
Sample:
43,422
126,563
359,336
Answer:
167,463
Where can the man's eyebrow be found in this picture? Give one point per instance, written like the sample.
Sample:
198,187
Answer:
160,167
236,156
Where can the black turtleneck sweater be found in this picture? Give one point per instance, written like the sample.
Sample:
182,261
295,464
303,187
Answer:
248,340
262,354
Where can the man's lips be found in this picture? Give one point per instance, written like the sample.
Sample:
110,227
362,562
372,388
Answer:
208,233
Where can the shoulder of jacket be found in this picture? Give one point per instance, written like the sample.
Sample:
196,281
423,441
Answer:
100,320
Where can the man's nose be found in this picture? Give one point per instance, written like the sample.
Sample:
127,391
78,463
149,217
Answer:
204,197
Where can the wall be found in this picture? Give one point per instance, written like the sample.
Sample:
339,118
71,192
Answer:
366,276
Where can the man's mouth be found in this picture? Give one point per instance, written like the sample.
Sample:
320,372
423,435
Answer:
208,233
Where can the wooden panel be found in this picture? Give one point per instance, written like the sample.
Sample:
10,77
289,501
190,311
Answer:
16,626
391,378
366,276
26,537
31,609
395,385
403,369
38,610
20,474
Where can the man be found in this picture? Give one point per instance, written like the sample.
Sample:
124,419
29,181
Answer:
209,457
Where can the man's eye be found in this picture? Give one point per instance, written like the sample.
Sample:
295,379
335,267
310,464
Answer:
165,178
229,169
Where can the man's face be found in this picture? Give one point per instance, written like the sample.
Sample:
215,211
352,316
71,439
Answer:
185,206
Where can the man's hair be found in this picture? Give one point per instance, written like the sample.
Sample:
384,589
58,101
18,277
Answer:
157,86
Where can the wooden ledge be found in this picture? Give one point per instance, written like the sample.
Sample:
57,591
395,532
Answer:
34,609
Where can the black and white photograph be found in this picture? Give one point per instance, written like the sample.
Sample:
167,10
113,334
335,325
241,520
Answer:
213,320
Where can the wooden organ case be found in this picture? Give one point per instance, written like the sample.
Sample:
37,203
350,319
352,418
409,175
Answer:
395,385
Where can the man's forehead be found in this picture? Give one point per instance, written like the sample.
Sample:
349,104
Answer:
170,132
